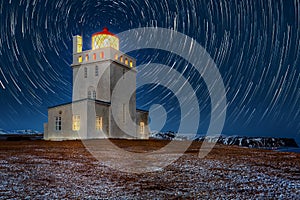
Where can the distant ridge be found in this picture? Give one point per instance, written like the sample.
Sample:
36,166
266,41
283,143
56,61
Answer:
253,142
17,135
243,141
17,132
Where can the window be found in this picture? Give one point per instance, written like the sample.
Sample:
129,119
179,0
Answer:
124,72
89,94
79,44
102,55
126,61
85,72
131,63
76,123
96,71
94,94
116,56
58,123
80,59
121,59
142,127
99,123
86,57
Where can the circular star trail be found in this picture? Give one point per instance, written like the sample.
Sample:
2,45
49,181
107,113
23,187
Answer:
255,45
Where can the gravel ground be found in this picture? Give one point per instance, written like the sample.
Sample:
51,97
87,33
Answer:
58,170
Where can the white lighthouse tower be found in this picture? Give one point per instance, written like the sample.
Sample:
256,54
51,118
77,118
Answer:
90,115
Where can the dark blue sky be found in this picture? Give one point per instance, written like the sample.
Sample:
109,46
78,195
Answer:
255,45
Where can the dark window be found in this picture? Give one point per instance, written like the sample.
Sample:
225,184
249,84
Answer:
85,72
58,123
124,72
96,71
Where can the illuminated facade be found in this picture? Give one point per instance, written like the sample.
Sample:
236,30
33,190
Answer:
95,74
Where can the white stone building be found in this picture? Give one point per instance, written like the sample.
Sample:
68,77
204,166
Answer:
98,110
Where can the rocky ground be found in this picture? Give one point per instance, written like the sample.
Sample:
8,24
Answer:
47,170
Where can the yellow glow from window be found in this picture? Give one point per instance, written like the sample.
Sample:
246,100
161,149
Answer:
86,57
142,127
102,55
99,123
80,59
121,59
104,40
126,61
76,123
79,44
116,56
131,63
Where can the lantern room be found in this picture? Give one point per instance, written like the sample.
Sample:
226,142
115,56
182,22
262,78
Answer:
105,39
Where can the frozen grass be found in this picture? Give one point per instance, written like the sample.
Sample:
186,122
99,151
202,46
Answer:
47,170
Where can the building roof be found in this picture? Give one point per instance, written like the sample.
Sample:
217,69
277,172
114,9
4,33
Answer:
96,101
104,32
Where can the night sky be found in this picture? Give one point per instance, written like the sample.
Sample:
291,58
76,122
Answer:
255,44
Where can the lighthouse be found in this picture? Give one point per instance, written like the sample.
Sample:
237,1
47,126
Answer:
96,110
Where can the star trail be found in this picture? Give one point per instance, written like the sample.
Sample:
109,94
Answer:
255,44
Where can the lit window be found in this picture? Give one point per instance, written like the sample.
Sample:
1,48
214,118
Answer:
142,127
126,61
116,56
94,94
99,123
131,63
121,59
102,55
89,94
86,57
85,72
80,59
76,123
58,123
94,56
103,40
79,44
96,71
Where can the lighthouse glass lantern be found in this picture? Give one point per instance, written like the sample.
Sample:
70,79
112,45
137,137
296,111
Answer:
105,39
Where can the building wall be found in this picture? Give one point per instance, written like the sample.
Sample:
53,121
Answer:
122,123
46,131
87,110
99,82
65,112
103,54
96,109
